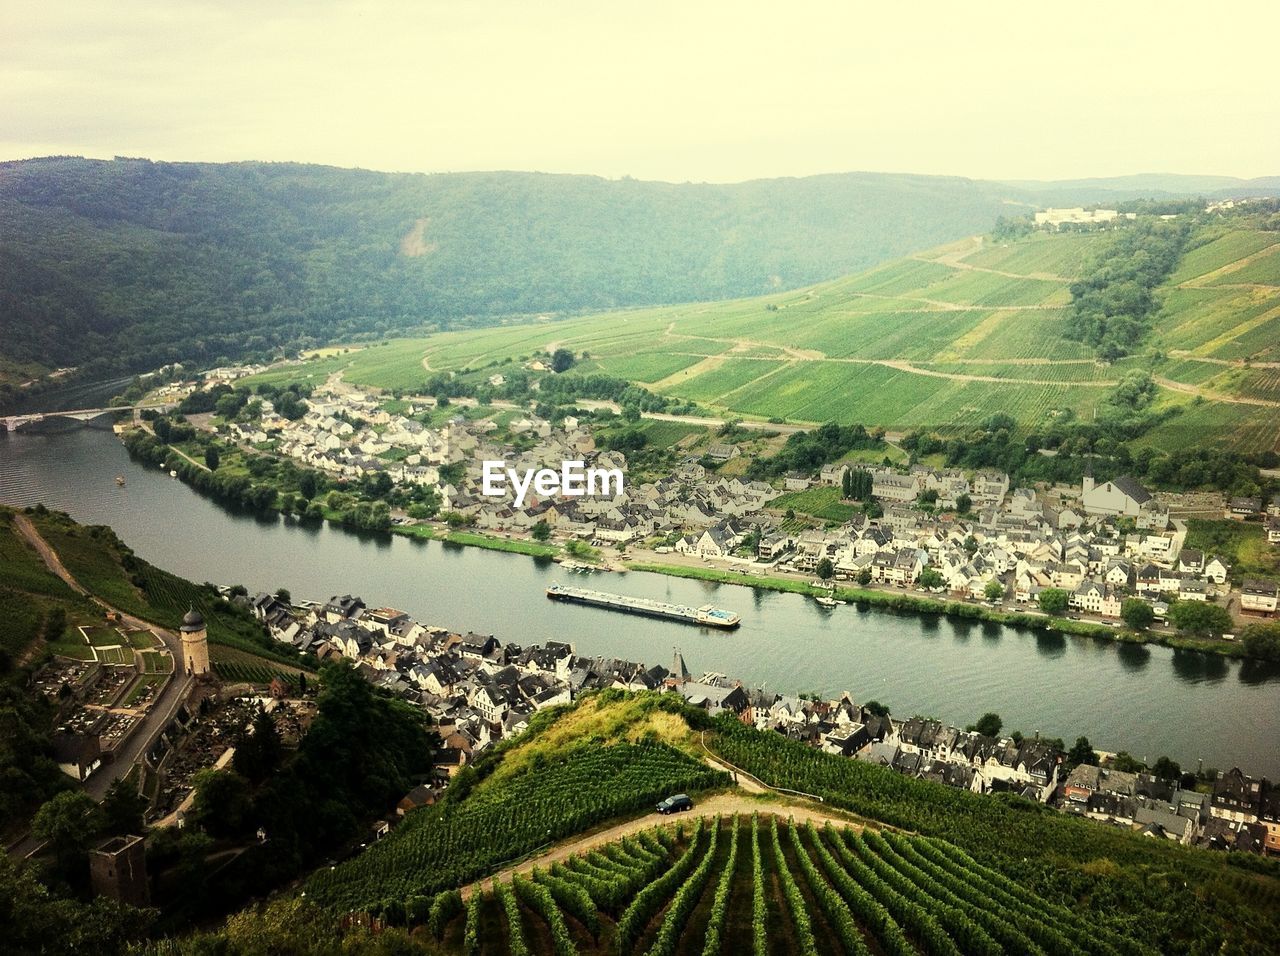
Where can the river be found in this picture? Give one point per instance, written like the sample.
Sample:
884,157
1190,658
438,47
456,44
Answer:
1147,700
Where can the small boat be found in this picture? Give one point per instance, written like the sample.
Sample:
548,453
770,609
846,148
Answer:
826,601
120,480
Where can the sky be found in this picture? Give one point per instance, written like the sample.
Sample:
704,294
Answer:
698,90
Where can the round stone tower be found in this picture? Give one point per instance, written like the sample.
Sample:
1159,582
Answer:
195,644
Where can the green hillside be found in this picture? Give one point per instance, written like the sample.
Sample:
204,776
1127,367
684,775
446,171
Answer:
129,264
940,340
882,864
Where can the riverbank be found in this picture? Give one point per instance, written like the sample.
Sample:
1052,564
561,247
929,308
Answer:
897,601
902,603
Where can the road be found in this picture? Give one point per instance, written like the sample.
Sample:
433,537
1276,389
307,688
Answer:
146,731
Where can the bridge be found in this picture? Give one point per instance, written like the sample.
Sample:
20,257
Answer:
14,422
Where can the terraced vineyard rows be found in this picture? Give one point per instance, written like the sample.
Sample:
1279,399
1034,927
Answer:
448,844
806,890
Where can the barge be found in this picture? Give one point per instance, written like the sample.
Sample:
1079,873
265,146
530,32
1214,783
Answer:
707,615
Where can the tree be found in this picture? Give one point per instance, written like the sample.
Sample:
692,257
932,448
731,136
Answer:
989,725
864,577
222,803
541,531
993,591
307,485
1127,763
258,751
1137,613
1200,618
875,707
1262,641
122,809
1053,600
963,504
1166,769
69,821
931,578
1082,753
826,570
211,458
561,360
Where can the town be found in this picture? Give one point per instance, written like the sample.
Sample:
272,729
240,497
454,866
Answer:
1108,551
479,691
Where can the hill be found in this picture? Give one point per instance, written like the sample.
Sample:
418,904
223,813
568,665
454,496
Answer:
128,264
885,863
944,339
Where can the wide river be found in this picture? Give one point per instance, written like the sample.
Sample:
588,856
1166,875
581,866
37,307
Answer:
1147,700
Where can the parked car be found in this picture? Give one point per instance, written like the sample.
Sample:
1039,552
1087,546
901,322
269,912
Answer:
675,804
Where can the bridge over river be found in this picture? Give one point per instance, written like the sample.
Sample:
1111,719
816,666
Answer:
13,422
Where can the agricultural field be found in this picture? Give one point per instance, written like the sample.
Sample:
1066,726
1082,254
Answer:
1262,268
643,367
824,503
1218,252
896,346
885,863
768,884
1169,897
509,815
1040,255
1242,428
235,665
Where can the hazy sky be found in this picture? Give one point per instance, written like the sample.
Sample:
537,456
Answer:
717,91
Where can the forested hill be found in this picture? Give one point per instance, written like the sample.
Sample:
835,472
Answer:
129,264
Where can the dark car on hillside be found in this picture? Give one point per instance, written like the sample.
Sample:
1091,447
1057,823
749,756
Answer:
675,804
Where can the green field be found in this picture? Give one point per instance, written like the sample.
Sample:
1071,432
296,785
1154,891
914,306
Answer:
799,888
836,350
821,502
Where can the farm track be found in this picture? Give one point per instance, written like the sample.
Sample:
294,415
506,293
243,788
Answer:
955,262
1212,396
1226,363
723,805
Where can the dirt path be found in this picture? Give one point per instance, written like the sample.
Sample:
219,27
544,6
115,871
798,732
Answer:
955,258
725,804
1211,396
1227,363
1201,281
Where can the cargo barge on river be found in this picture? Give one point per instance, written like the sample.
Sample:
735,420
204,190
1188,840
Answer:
707,615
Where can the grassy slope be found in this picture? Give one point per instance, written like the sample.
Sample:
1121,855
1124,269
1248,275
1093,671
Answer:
29,592
1168,897
97,559
911,343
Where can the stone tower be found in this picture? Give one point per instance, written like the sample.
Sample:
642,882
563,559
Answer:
117,869
195,644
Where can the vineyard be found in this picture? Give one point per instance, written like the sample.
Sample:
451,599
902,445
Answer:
469,834
763,885
1186,899
837,350
237,666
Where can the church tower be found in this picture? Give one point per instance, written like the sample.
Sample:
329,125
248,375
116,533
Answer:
195,644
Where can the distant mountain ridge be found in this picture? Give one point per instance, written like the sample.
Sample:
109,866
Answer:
127,264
